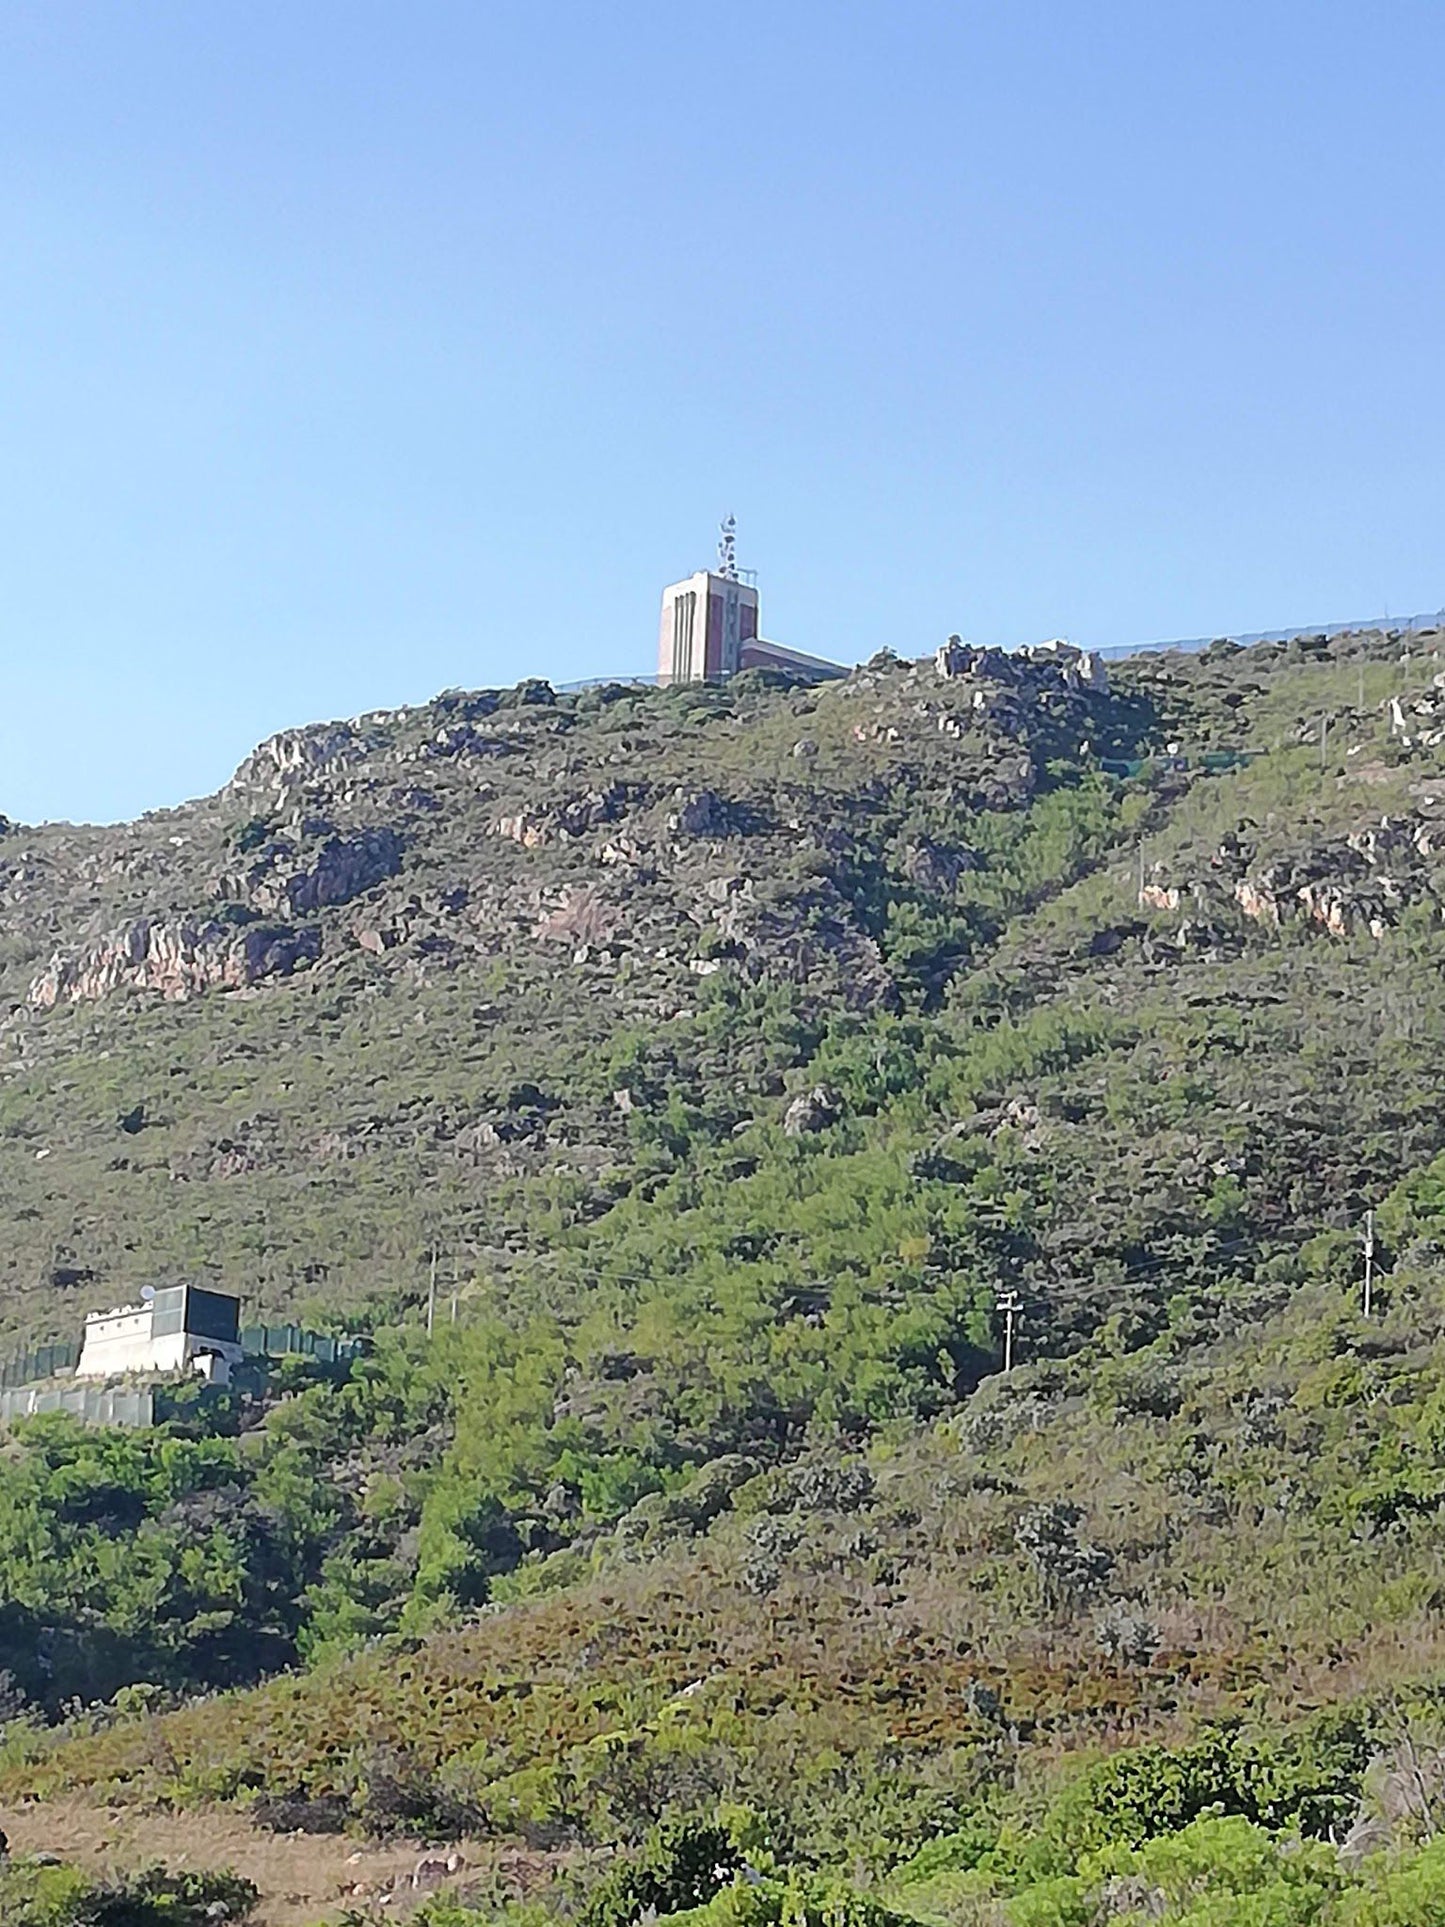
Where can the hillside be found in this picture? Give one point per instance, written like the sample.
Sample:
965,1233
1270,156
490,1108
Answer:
417,981
395,987
733,1050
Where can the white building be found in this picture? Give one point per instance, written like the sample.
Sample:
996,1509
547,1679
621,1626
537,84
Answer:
179,1329
709,627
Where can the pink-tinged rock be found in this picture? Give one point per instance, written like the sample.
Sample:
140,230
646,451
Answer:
173,960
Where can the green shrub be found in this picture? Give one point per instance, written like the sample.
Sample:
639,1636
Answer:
32,1896
1310,1781
680,1867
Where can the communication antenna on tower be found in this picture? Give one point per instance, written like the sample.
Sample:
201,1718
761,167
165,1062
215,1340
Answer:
727,550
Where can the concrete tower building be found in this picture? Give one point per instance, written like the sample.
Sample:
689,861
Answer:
707,619
710,626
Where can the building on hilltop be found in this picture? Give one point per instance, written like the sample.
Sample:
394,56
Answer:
710,627
180,1328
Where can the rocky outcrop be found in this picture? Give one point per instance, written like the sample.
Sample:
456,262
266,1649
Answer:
1256,898
582,917
812,1111
1343,910
427,921
300,753
1417,719
288,879
1009,785
464,739
1076,668
532,832
701,813
1056,661
1344,886
580,815
174,960
1358,883
808,935
575,816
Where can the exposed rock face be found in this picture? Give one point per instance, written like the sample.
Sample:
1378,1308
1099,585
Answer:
577,816
1076,669
1341,911
582,814
1343,886
1011,785
288,882
428,920
1258,900
805,935
522,828
1417,720
302,752
1357,883
583,916
812,1110
175,960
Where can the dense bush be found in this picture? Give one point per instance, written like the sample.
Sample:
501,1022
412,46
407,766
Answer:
186,1562
1310,1781
681,1866
55,1896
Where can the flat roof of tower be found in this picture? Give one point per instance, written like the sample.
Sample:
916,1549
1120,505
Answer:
744,579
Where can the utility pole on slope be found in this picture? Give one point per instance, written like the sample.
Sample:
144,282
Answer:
431,1294
1369,1259
1009,1303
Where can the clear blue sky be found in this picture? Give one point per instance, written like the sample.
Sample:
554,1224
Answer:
349,350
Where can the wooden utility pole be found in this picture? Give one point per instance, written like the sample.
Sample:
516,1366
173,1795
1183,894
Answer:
431,1294
1324,733
1009,1303
1369,1259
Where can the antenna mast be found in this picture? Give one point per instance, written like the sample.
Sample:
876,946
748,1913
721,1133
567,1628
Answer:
1010,1304
727,552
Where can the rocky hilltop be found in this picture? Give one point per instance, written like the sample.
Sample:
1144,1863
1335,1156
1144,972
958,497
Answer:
384,983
